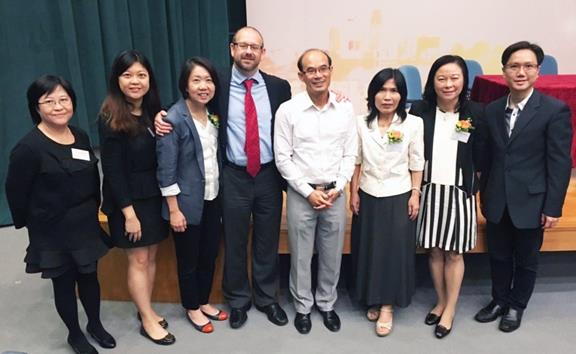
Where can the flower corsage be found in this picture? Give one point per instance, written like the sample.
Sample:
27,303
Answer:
464,125
214,119
394,136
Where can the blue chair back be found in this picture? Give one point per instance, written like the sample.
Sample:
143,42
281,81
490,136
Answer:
474,69
549,66
413,82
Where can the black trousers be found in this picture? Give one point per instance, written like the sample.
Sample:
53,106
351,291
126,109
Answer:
514,255
245,199
196,251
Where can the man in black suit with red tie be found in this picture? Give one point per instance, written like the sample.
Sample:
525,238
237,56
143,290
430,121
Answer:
526,173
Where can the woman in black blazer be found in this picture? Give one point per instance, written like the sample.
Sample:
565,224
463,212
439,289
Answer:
132,198
53,188
447,221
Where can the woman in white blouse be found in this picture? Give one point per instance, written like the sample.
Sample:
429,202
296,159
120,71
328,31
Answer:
385,198
188,169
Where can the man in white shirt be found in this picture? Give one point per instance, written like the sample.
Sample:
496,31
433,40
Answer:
315,145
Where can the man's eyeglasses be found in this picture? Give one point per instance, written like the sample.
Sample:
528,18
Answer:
64,101
324,69
515,67
245,46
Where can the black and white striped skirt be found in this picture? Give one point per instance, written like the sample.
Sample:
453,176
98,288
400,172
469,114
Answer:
447,219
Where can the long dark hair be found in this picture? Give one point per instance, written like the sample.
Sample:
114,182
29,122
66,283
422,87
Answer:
115,109
376,84
430,94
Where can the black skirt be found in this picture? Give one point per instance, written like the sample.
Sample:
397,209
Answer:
383,251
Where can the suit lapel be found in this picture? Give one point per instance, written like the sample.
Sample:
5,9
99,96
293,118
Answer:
197,143
526,115
374,133
501,120
429,120
224,98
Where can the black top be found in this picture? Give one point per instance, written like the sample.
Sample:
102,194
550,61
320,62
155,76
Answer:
54,190
128,164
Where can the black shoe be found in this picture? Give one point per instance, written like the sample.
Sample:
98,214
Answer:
441,331
303,323
103,338
431,319
490,313
511,320
167,340
162,322
238,317
331,320
80,345
275,314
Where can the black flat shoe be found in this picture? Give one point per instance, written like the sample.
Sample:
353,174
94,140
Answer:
303,323
205,328
80,345
490,313
162,322
167,340
431,319
218,316
103,338
511,320
441,331
275,314
331,320
238,317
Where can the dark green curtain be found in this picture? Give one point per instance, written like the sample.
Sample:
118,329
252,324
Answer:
78,39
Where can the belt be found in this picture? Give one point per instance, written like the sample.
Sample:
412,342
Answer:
323,186
243,168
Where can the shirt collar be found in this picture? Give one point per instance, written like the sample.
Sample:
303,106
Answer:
521,104
239,78
395,121
307,102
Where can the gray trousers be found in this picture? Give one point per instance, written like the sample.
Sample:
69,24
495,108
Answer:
324,229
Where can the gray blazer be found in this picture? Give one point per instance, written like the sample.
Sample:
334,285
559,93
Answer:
181,161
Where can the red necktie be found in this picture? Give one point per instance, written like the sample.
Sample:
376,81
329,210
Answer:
252,144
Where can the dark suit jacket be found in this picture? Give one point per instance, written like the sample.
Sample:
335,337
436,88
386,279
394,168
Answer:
468,153
181,161
528,172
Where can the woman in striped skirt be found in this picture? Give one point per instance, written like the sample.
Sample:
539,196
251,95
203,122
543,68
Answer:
447,220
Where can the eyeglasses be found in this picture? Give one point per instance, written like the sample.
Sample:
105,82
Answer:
64,101
245,46
324,69
515,67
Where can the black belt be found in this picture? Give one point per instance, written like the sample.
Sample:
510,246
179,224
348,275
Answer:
243,168
323,186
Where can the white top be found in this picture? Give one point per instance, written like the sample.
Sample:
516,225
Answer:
516,109
385,166
313,145
209,140
444,148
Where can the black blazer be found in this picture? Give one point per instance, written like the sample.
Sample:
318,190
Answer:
528,172
468,153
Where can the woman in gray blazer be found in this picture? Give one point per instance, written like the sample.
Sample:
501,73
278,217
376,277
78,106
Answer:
188,172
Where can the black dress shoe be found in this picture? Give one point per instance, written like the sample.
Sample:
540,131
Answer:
331,320
275,314
167,340
80,345
490,313
162,322
441,331
431,319
103,338
303,323
511,320
238,317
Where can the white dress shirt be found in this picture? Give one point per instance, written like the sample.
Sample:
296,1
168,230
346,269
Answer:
209,140
445,149
315,145
385,166
516,109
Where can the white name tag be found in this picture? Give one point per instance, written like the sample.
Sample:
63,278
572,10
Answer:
461,136
80,154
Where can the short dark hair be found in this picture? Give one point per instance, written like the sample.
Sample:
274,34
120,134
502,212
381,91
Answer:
535,48
185,72
46,84
301,66
429,94
376,84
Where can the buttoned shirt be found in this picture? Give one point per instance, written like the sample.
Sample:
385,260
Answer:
209,140
386,165
315,145
445,149
236,129
516,109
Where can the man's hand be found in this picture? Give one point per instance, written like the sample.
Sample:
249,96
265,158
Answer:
548,222
160,126
319,200
340,97
333,194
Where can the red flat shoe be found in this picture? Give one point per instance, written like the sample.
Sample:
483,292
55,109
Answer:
218,316
205,328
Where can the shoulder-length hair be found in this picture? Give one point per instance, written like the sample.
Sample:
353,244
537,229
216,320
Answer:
116,110
46,84
185,72
376,84
430,93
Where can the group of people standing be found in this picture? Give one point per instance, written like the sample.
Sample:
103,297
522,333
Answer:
226,150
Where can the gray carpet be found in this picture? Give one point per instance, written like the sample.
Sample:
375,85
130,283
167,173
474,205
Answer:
29,322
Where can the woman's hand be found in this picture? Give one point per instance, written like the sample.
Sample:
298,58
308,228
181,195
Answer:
177,221
354,202
160,126
414,205
133,229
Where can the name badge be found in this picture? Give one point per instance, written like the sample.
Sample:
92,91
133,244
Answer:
79,154
461,136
